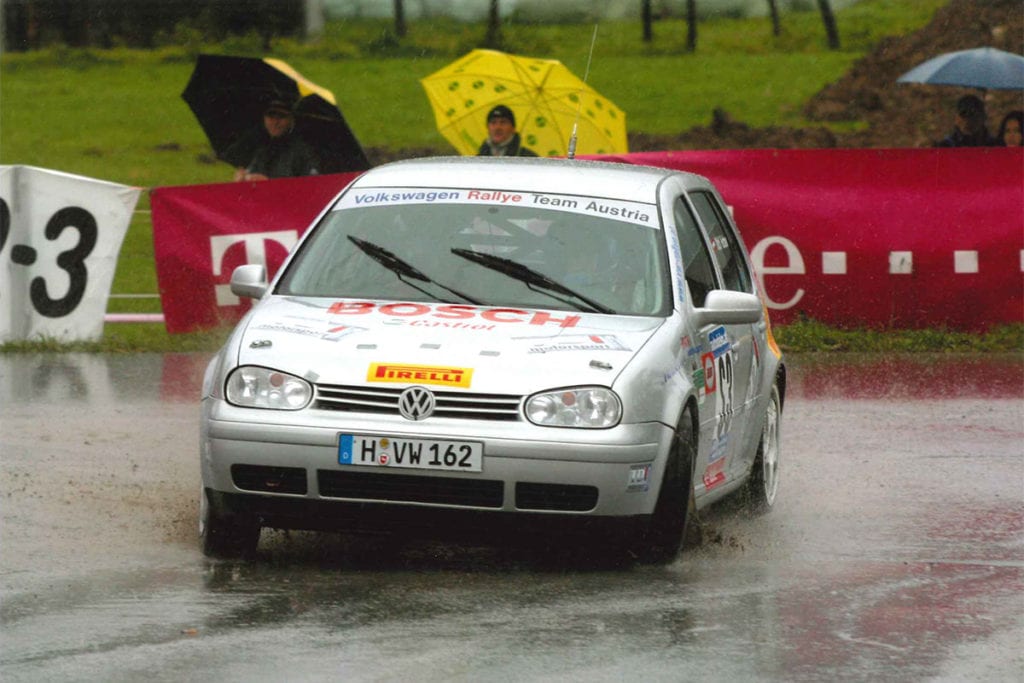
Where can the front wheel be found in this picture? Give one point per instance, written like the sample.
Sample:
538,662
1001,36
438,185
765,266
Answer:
675,506
763,485
225,536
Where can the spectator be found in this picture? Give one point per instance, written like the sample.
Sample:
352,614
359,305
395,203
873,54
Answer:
970,129
282,153
502,138
1011,129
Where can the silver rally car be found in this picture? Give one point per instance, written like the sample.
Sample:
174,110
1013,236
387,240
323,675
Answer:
508,347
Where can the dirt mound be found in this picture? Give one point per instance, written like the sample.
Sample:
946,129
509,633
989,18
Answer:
900,115
896,115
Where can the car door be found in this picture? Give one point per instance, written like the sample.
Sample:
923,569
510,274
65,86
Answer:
723,352
730,258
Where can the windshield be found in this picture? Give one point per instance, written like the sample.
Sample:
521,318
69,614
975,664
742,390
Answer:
488,253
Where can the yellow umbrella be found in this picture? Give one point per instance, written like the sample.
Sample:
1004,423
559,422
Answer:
545,96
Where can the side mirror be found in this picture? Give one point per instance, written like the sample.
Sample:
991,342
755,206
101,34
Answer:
724,307
249,281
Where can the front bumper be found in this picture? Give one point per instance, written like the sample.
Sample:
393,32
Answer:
284,468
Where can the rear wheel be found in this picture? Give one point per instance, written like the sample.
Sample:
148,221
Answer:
225,536
763,484
675,505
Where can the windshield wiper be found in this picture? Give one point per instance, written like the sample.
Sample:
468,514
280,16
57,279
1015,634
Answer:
403,269
533,279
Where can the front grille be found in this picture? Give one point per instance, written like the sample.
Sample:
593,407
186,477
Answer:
565,497
270,479
450,404
410,488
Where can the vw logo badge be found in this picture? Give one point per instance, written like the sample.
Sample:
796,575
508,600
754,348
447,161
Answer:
416,403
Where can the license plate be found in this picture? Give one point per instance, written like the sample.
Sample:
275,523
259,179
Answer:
425,454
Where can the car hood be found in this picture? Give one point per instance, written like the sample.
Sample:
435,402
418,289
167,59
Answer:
494,350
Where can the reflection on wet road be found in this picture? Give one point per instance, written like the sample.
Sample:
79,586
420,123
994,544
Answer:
896,551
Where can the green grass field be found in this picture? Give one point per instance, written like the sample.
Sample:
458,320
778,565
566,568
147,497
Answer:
117,114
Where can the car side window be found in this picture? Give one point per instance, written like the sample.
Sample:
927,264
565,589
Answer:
724,244
698,268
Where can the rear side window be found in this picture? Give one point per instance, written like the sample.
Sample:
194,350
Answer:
697,266
724,244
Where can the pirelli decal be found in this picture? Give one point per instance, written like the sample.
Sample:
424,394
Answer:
419,374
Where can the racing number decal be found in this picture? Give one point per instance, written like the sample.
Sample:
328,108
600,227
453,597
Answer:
5,223
724,393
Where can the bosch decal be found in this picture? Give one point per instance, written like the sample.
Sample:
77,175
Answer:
453,312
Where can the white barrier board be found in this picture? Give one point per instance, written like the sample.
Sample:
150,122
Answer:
60,236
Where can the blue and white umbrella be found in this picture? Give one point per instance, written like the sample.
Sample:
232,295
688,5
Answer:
984,67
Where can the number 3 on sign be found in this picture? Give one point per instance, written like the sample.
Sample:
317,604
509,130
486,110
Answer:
71,261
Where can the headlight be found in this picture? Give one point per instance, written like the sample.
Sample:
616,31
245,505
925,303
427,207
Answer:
582,407
253,387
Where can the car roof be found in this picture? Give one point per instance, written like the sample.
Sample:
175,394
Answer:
545,175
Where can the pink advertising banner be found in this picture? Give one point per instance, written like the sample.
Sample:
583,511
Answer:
895,238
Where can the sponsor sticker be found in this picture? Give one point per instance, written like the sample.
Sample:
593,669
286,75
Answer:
708,361
639,478
403,373
639,213
713,475
719,341
327,332
401,311
580,342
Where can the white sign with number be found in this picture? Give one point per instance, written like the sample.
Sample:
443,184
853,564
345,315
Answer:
60,236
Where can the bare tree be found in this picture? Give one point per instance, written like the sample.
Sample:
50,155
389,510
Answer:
691,25
493,37
773,10
645,18
830,24
400,27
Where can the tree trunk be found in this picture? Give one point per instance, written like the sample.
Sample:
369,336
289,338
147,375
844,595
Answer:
400,28
773,10
691,25
313,19
645,17
830,24
493,37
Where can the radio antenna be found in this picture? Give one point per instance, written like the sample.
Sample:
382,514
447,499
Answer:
579,103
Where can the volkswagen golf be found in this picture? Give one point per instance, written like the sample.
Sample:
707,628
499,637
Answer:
506,347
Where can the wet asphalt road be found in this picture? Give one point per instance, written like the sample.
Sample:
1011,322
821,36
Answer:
895,552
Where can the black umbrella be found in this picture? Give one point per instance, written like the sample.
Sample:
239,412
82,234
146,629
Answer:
229,94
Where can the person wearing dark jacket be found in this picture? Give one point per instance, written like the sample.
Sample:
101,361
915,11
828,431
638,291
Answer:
283,153
502,138
969,125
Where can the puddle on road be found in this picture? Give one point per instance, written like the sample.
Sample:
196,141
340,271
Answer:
883,559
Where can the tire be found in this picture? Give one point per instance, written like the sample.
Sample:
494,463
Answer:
675,506
763,484
225,536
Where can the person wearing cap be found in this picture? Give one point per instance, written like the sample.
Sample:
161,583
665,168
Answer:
283,153
502,138
970,128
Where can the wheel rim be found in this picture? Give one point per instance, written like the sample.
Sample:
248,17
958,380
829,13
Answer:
770,453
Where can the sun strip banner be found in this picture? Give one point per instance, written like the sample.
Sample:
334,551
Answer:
881,238
60,237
